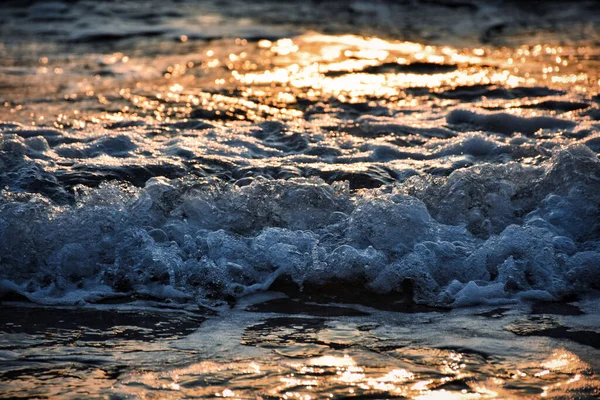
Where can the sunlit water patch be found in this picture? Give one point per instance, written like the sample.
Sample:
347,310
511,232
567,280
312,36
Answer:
241,354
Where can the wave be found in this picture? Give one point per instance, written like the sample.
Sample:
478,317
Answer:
489,233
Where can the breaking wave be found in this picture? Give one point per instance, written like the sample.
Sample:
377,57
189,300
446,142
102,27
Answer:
488,233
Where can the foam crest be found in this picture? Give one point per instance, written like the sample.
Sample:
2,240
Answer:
488,233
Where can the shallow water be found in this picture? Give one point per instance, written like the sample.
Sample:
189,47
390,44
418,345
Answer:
336,352
412,158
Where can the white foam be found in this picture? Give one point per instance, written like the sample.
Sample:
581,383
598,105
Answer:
181,240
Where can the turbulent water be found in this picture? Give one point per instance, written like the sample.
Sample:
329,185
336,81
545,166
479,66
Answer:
398,155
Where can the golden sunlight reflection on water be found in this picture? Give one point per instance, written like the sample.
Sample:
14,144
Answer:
240,80
433,374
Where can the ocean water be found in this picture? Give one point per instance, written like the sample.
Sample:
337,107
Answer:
308,199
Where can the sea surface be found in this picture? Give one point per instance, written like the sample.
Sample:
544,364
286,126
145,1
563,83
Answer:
305,199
